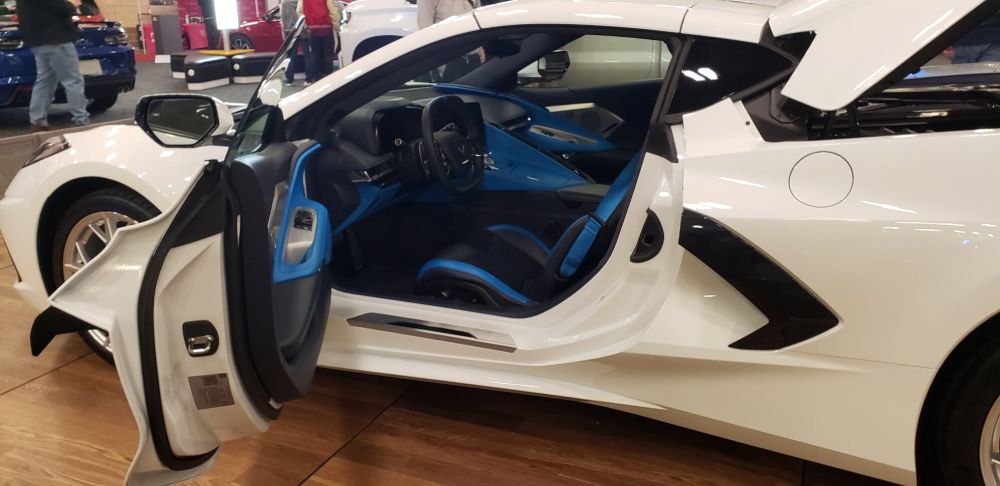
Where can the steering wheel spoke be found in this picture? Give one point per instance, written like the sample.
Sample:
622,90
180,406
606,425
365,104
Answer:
456,159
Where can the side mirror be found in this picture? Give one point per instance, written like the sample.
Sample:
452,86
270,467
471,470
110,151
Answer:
554,65
182,120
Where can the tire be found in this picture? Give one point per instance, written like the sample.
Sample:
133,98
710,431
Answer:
240,42
371,45
972,398
117,201
100,105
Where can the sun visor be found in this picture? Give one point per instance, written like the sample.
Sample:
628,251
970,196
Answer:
862,43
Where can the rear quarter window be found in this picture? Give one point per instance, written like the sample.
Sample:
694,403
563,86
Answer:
716,69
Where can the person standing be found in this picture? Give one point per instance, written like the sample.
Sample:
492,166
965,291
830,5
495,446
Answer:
47,28
430,12
289,16
322,23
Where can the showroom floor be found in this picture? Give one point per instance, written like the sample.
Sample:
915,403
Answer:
64,420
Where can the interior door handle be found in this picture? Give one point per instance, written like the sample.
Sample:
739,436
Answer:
301,235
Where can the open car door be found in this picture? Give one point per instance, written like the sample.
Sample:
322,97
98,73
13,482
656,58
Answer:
216,310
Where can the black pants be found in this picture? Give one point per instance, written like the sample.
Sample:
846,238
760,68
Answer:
319,62
456,68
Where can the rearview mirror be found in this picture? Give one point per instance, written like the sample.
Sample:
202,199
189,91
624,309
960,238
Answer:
182,120
554,65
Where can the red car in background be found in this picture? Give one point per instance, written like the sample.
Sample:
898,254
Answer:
263,34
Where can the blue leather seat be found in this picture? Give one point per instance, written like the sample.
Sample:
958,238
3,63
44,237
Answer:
509,265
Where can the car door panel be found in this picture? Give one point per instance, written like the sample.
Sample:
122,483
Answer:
628,101
173,258
289,315
202,360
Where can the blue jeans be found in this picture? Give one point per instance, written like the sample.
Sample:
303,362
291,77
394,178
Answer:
292,54
57,64
966,54
319,62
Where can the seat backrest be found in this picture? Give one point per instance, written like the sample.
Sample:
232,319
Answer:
595,222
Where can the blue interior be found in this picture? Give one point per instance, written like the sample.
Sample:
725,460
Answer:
515,240
318,255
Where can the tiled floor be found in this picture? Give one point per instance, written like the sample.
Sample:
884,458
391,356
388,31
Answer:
64,420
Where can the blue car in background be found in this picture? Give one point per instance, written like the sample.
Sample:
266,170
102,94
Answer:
106,61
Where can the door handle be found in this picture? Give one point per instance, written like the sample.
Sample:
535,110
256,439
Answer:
200,338
200,345
301,235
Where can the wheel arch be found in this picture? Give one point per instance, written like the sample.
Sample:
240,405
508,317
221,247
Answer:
371,44
56,205
985,335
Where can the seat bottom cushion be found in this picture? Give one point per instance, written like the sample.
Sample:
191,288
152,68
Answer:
498,264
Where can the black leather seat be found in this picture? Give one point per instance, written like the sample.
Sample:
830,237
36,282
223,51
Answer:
509,265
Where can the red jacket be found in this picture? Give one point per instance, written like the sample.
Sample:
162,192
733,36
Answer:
319,16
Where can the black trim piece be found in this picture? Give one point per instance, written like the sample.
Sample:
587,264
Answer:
195,329
239,340
202,195
650,239
935,47
793,313
51,323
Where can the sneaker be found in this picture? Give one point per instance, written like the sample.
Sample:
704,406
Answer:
81,123
38,127
289,83
308,83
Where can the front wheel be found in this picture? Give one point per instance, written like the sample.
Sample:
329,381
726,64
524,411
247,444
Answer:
102,104
968,441
83,233
239,42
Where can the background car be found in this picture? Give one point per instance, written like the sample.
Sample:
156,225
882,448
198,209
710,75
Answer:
371,24
106,61
264,34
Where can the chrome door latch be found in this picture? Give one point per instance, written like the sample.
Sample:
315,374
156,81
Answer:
200,338
200,345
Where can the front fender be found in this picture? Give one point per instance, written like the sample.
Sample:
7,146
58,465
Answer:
122,154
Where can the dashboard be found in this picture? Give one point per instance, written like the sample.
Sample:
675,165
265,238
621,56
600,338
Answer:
377,147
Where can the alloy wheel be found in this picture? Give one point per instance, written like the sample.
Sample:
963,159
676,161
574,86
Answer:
88,238
989,446
239,44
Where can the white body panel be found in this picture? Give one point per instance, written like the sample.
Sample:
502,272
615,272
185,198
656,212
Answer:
105,293
122,154
843,63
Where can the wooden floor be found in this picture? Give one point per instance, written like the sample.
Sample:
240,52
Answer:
64,420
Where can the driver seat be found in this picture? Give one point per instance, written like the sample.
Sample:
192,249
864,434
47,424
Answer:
506,265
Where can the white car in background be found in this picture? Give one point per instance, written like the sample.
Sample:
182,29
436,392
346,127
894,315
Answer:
778,238
371,24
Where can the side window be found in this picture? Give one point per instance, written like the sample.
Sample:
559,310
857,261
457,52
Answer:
716,69
598,60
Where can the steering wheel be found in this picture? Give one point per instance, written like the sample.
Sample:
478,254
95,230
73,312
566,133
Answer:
454,153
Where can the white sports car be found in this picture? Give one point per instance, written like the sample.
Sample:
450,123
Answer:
784,239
